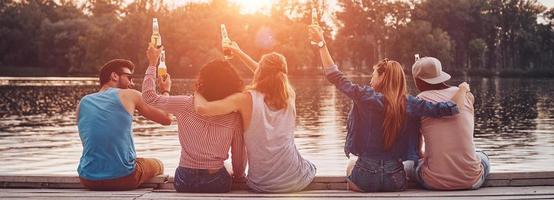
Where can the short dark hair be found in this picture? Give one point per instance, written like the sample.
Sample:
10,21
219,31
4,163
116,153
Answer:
424,86
217,80
115,65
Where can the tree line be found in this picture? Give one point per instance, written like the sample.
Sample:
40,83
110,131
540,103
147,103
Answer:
481,37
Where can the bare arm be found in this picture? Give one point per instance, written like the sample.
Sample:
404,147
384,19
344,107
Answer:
245,58
317,35
220,107
238,153
461,95
77,111
149,111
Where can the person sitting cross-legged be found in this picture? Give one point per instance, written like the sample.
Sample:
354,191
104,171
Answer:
104,120
450,160
205,141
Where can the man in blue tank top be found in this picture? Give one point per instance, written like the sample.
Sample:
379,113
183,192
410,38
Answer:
105,119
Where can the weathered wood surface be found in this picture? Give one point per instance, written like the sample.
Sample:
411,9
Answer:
500,179
536,192
61,182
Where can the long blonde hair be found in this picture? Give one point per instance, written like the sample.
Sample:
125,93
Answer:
271,80
394,88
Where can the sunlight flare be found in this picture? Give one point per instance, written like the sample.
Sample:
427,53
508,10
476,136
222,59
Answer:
253,6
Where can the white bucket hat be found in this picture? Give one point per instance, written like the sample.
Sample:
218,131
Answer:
429,69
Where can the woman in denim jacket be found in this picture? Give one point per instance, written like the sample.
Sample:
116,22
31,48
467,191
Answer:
383,125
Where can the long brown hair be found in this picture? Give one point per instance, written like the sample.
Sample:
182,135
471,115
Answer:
394,89
271,80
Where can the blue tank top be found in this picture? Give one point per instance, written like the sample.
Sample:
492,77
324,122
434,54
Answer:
106,134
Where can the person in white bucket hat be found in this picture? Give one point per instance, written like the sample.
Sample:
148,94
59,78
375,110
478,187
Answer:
450,160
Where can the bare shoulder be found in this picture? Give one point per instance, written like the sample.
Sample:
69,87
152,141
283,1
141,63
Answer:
244,96
130,94
240,99
238,96
245,93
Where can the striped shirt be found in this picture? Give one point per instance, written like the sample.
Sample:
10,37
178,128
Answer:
205,141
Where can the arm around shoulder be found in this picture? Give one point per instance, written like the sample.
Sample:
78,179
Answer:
219,107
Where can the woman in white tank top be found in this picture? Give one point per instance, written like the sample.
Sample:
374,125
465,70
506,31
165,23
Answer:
268,113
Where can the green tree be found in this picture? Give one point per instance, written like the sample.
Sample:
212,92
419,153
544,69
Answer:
420,37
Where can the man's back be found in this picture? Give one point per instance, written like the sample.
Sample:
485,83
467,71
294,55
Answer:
450,161
106,134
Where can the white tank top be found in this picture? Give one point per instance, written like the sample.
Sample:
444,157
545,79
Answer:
274,163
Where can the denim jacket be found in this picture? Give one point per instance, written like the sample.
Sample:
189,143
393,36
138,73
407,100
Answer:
365,120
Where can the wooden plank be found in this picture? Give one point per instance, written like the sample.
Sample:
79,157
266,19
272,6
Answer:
42,190
330,179
485,192
344,198
39,185
60,182
519,182
501,179
64,179
70,194
40,179
522,175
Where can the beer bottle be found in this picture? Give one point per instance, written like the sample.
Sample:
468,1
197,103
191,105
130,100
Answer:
156,38
162,68
314,22
228,53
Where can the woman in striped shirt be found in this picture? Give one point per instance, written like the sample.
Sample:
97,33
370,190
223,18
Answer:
268,112
205,141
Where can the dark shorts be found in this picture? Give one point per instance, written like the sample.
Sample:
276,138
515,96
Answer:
201,181
378,175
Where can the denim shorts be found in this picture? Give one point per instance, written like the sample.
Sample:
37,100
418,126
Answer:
201,181
378,175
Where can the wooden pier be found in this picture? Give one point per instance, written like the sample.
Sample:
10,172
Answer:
504,185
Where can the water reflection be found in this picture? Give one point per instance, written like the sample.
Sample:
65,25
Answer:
38,135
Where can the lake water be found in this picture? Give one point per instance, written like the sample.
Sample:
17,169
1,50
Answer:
38,132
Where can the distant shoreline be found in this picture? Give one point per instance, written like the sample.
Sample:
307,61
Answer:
36,73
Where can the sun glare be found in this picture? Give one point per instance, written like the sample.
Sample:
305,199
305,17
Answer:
253,6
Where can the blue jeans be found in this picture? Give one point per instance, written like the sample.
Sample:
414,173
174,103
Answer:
485,162
201,181
378,175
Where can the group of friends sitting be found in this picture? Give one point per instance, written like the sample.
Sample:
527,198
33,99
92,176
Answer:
391,137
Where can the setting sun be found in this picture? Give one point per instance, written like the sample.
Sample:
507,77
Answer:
252,6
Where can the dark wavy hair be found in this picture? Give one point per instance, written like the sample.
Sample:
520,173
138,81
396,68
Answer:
217,80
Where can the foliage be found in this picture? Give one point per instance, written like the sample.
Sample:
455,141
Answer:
480,36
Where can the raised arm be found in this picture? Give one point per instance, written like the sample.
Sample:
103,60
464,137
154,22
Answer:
245,58
346,86
171,104
227,105
336,77
316,33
